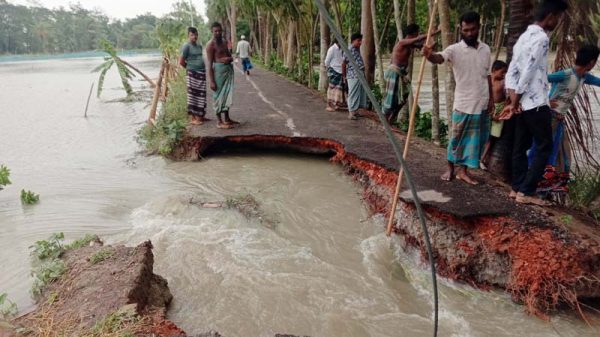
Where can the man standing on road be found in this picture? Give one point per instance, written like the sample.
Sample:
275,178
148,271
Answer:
243,52
192,59
357,97
527,84
397,81
336,99
470,60
220,71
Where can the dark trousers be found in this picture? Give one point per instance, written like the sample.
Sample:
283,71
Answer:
531,124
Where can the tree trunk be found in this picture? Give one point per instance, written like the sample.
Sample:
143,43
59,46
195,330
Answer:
376,38
435,98
152,84
410,19
233,24
447,40
500,30
267,42
520,17
325,42
290,56
398,19
368,46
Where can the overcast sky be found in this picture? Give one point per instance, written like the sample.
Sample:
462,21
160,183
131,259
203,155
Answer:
118,9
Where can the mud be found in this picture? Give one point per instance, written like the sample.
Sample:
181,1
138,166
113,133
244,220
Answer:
542,263
88,293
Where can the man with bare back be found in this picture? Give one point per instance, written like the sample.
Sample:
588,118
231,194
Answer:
397,81
220,71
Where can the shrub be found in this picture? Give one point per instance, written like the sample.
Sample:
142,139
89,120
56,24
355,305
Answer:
29,198
4,176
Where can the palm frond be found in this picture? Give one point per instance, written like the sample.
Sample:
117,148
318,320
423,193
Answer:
574,31
102,76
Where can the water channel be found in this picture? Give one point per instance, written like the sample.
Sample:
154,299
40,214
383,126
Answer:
320,266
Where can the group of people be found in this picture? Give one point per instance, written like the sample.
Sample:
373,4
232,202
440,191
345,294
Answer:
485,99
486,95
220,75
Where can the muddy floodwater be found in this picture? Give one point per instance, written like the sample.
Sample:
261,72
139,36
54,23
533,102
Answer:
313,263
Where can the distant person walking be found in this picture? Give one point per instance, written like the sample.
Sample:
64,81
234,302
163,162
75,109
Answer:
192,59
527,84
357,97
243,52
336,97
220,70
470,60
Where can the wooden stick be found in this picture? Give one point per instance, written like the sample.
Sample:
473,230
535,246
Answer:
411,124
157,92
88,100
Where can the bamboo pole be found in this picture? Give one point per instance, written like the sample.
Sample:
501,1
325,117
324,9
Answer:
157,92
88,100
411,125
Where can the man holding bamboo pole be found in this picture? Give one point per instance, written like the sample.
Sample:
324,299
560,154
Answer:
470,60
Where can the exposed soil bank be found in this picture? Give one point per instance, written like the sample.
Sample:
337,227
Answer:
543,263
117,295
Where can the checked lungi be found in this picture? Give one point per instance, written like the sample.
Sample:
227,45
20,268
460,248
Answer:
335,91
468,138
196,90
397,89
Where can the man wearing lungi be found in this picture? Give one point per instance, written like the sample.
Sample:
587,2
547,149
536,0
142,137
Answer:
220,71
470,60
192,59
336,98
397,81
357,96
243,52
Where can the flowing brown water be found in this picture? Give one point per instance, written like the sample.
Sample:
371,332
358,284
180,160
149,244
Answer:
320,266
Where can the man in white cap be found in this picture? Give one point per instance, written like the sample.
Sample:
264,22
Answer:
243,52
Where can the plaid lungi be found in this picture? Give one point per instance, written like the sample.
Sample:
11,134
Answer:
335,90
397,89
466,143
196,90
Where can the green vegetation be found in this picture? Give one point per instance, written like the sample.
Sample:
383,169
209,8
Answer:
423,127
170,124
29,198
122,323
47,266
584,191
4,176
8,308
38,30
83,242
109,61
101,255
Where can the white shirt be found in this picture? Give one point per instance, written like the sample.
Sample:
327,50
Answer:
471,68
243,49
528,71
334,58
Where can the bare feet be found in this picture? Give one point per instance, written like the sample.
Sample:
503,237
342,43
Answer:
204,119
448,176
463,176
330,109
231,122
531,200
512,194
196,121
222,125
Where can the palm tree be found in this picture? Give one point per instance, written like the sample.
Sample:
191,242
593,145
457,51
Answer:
125,69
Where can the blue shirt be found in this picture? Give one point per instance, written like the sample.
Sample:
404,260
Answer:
350,72
566,85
